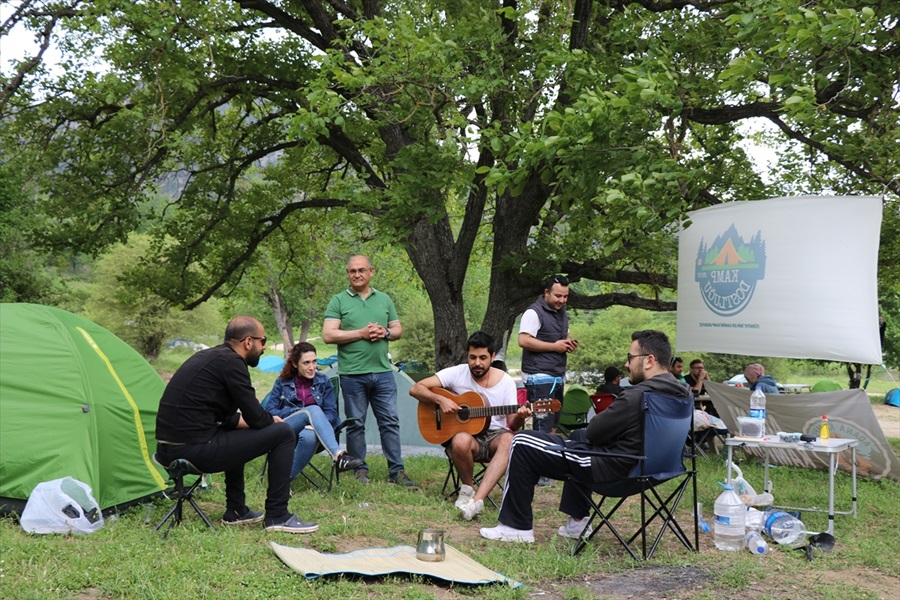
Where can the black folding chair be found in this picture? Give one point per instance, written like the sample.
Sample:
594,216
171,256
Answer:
452,482
177,470
311,473
666,423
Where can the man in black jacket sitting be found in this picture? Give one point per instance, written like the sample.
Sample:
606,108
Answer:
617,429
209,415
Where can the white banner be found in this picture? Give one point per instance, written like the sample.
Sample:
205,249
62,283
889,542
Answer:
788,277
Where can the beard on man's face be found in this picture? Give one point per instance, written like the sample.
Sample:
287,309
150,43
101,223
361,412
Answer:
477,371
253,359
636,376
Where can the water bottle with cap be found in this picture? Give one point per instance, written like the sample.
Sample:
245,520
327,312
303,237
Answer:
756,544
784,528
758,407
728,527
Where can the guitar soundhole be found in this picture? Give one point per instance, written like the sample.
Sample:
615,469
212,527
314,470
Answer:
463,413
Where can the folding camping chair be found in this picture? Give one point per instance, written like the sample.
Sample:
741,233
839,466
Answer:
177,469
601,402
315,476
575,407
666,423
452,481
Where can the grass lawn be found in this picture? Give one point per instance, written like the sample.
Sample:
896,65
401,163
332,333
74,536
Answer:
127,559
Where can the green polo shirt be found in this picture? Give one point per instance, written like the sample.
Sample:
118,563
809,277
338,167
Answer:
362,356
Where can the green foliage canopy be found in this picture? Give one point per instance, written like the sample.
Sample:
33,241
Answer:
577,134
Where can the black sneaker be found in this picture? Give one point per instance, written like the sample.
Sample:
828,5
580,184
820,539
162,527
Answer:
290,524
403,479
246,517
362,476
347,462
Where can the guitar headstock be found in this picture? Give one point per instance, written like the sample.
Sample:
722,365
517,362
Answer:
545,405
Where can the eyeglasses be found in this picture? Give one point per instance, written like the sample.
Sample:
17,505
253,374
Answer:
697,368
355,271
262,339
630,356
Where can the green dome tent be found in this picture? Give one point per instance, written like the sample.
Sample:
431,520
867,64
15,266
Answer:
74,400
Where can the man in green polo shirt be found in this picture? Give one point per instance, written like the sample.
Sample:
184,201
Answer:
361,320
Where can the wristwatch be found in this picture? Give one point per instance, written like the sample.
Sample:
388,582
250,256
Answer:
387,333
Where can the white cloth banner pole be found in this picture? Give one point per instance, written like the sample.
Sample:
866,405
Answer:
788,277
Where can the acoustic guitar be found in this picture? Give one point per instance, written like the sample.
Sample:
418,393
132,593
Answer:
473,417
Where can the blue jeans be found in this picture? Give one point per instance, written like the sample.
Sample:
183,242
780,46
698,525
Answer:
542,386
380,391
309,439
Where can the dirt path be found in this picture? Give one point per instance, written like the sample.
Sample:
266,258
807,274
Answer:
889,418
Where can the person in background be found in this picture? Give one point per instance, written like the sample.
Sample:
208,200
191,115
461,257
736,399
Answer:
209,415
304,398
617,430
611,378
496,389
756,377
361,320
696,378
678,368
545,342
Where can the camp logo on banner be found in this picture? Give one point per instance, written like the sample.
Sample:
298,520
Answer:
728,271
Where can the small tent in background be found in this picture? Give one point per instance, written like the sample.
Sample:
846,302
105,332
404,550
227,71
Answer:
411,438
74,400
271,363
892,397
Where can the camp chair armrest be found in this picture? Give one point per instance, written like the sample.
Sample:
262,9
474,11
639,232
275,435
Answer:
563,449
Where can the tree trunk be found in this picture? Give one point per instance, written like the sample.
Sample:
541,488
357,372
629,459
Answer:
282,317
304,330
513,284
442,266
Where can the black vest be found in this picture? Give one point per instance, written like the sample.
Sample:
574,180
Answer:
554,327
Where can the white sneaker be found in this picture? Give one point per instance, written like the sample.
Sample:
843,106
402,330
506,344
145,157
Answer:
471,509
573,528
466,493
507,534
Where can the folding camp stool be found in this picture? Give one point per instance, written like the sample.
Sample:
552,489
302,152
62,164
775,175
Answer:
177,469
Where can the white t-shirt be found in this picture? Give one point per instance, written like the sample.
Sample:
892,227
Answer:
530,323
459,379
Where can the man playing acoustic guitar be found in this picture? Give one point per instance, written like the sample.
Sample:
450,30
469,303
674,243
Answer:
489,441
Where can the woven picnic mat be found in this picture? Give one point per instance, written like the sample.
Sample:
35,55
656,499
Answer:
457,567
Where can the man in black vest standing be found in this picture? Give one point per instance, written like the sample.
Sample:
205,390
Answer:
545,342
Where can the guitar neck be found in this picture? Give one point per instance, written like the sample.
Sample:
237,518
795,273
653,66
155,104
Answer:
492,411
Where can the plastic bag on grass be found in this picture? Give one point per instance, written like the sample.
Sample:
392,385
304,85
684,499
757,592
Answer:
61,506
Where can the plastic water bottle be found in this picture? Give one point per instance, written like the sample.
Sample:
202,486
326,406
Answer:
756,544
784,528
728,528
758,407
704,526
824,432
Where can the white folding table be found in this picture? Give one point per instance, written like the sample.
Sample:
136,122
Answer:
832,447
